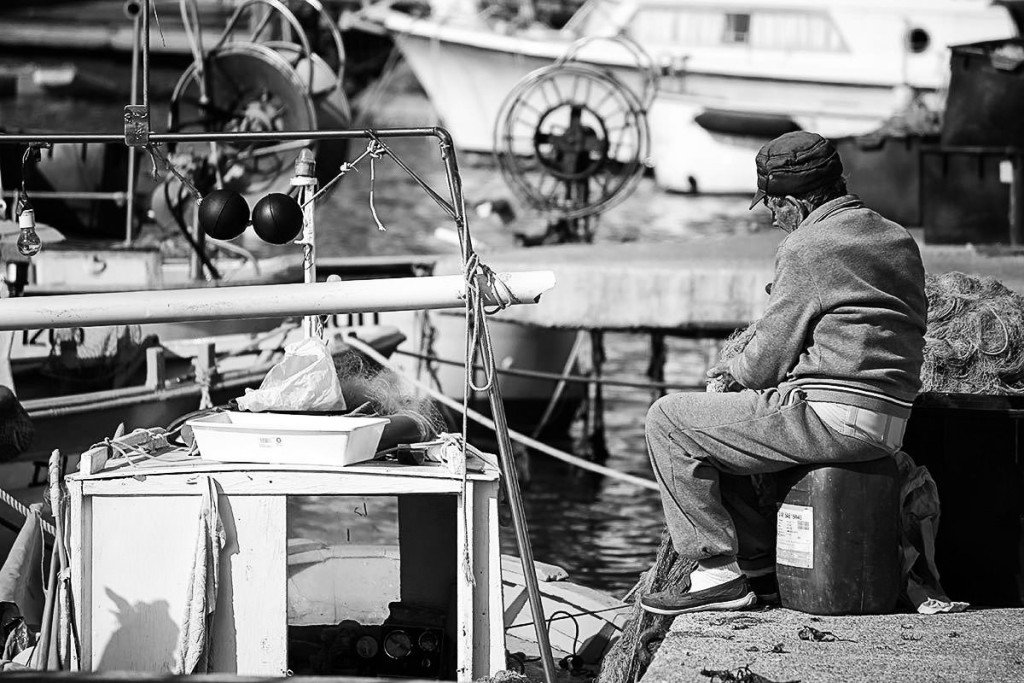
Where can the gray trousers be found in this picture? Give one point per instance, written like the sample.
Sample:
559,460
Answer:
705,446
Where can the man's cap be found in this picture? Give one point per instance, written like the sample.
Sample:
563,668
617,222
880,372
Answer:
795,163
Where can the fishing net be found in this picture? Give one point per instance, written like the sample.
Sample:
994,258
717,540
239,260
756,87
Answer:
385,392
632,653
975,338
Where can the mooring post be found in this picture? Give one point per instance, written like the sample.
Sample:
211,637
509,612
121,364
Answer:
592,444
656,365
1017,198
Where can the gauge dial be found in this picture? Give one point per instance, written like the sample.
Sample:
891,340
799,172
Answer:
428,641
397,645
366,647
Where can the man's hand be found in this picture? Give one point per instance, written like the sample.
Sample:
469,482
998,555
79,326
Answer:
719,374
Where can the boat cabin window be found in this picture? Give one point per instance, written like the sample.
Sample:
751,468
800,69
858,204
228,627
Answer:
737,29
801,31
672,26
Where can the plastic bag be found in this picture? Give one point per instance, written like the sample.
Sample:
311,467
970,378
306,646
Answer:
305,379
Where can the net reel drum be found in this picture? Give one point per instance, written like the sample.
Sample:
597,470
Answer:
270,80
572,139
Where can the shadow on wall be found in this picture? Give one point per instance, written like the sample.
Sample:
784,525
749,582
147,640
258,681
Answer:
124,649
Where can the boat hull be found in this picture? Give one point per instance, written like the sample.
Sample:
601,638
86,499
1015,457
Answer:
468,69
681,149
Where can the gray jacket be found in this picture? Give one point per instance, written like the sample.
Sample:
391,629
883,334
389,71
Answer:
847,313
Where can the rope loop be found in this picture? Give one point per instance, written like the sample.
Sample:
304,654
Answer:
156,153
478,339
476,271
375,149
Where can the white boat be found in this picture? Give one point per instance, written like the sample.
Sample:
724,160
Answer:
445,617
733,73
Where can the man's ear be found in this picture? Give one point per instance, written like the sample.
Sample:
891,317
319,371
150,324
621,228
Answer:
804,212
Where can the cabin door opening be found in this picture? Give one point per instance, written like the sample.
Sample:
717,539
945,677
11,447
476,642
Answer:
371,585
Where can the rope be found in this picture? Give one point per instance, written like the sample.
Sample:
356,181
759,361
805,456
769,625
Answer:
156,153
25,511
478,340
376,150
515,436
372,150
582,613
555,377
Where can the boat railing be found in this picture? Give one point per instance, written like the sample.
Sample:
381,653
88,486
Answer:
271,24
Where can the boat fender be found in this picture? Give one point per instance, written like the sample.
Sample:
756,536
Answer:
766,126
223,214
277,218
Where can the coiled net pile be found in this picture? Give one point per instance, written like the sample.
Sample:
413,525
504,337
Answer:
975,338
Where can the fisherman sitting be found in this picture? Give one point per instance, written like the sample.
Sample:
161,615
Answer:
829,375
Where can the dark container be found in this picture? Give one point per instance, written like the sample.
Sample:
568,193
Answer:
973,447
986,94
838,538
885,171
963,198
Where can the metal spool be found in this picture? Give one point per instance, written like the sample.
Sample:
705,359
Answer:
572,140
271,80
250,88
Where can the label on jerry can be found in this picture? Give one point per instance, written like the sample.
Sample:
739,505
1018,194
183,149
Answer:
795,536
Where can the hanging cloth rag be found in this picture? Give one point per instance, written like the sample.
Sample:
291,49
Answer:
194,653
20,578
919,502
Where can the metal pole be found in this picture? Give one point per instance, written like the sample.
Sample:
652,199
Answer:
132,9
146,9
506,459
195,258
305,180
509,475
263,136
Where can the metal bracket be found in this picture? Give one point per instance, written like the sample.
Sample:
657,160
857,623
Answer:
136,125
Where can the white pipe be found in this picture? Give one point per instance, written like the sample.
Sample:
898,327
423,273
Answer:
263,301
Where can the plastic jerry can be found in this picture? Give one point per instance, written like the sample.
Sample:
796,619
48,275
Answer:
838,538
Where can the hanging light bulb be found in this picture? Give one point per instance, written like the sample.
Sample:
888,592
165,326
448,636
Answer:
29,243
